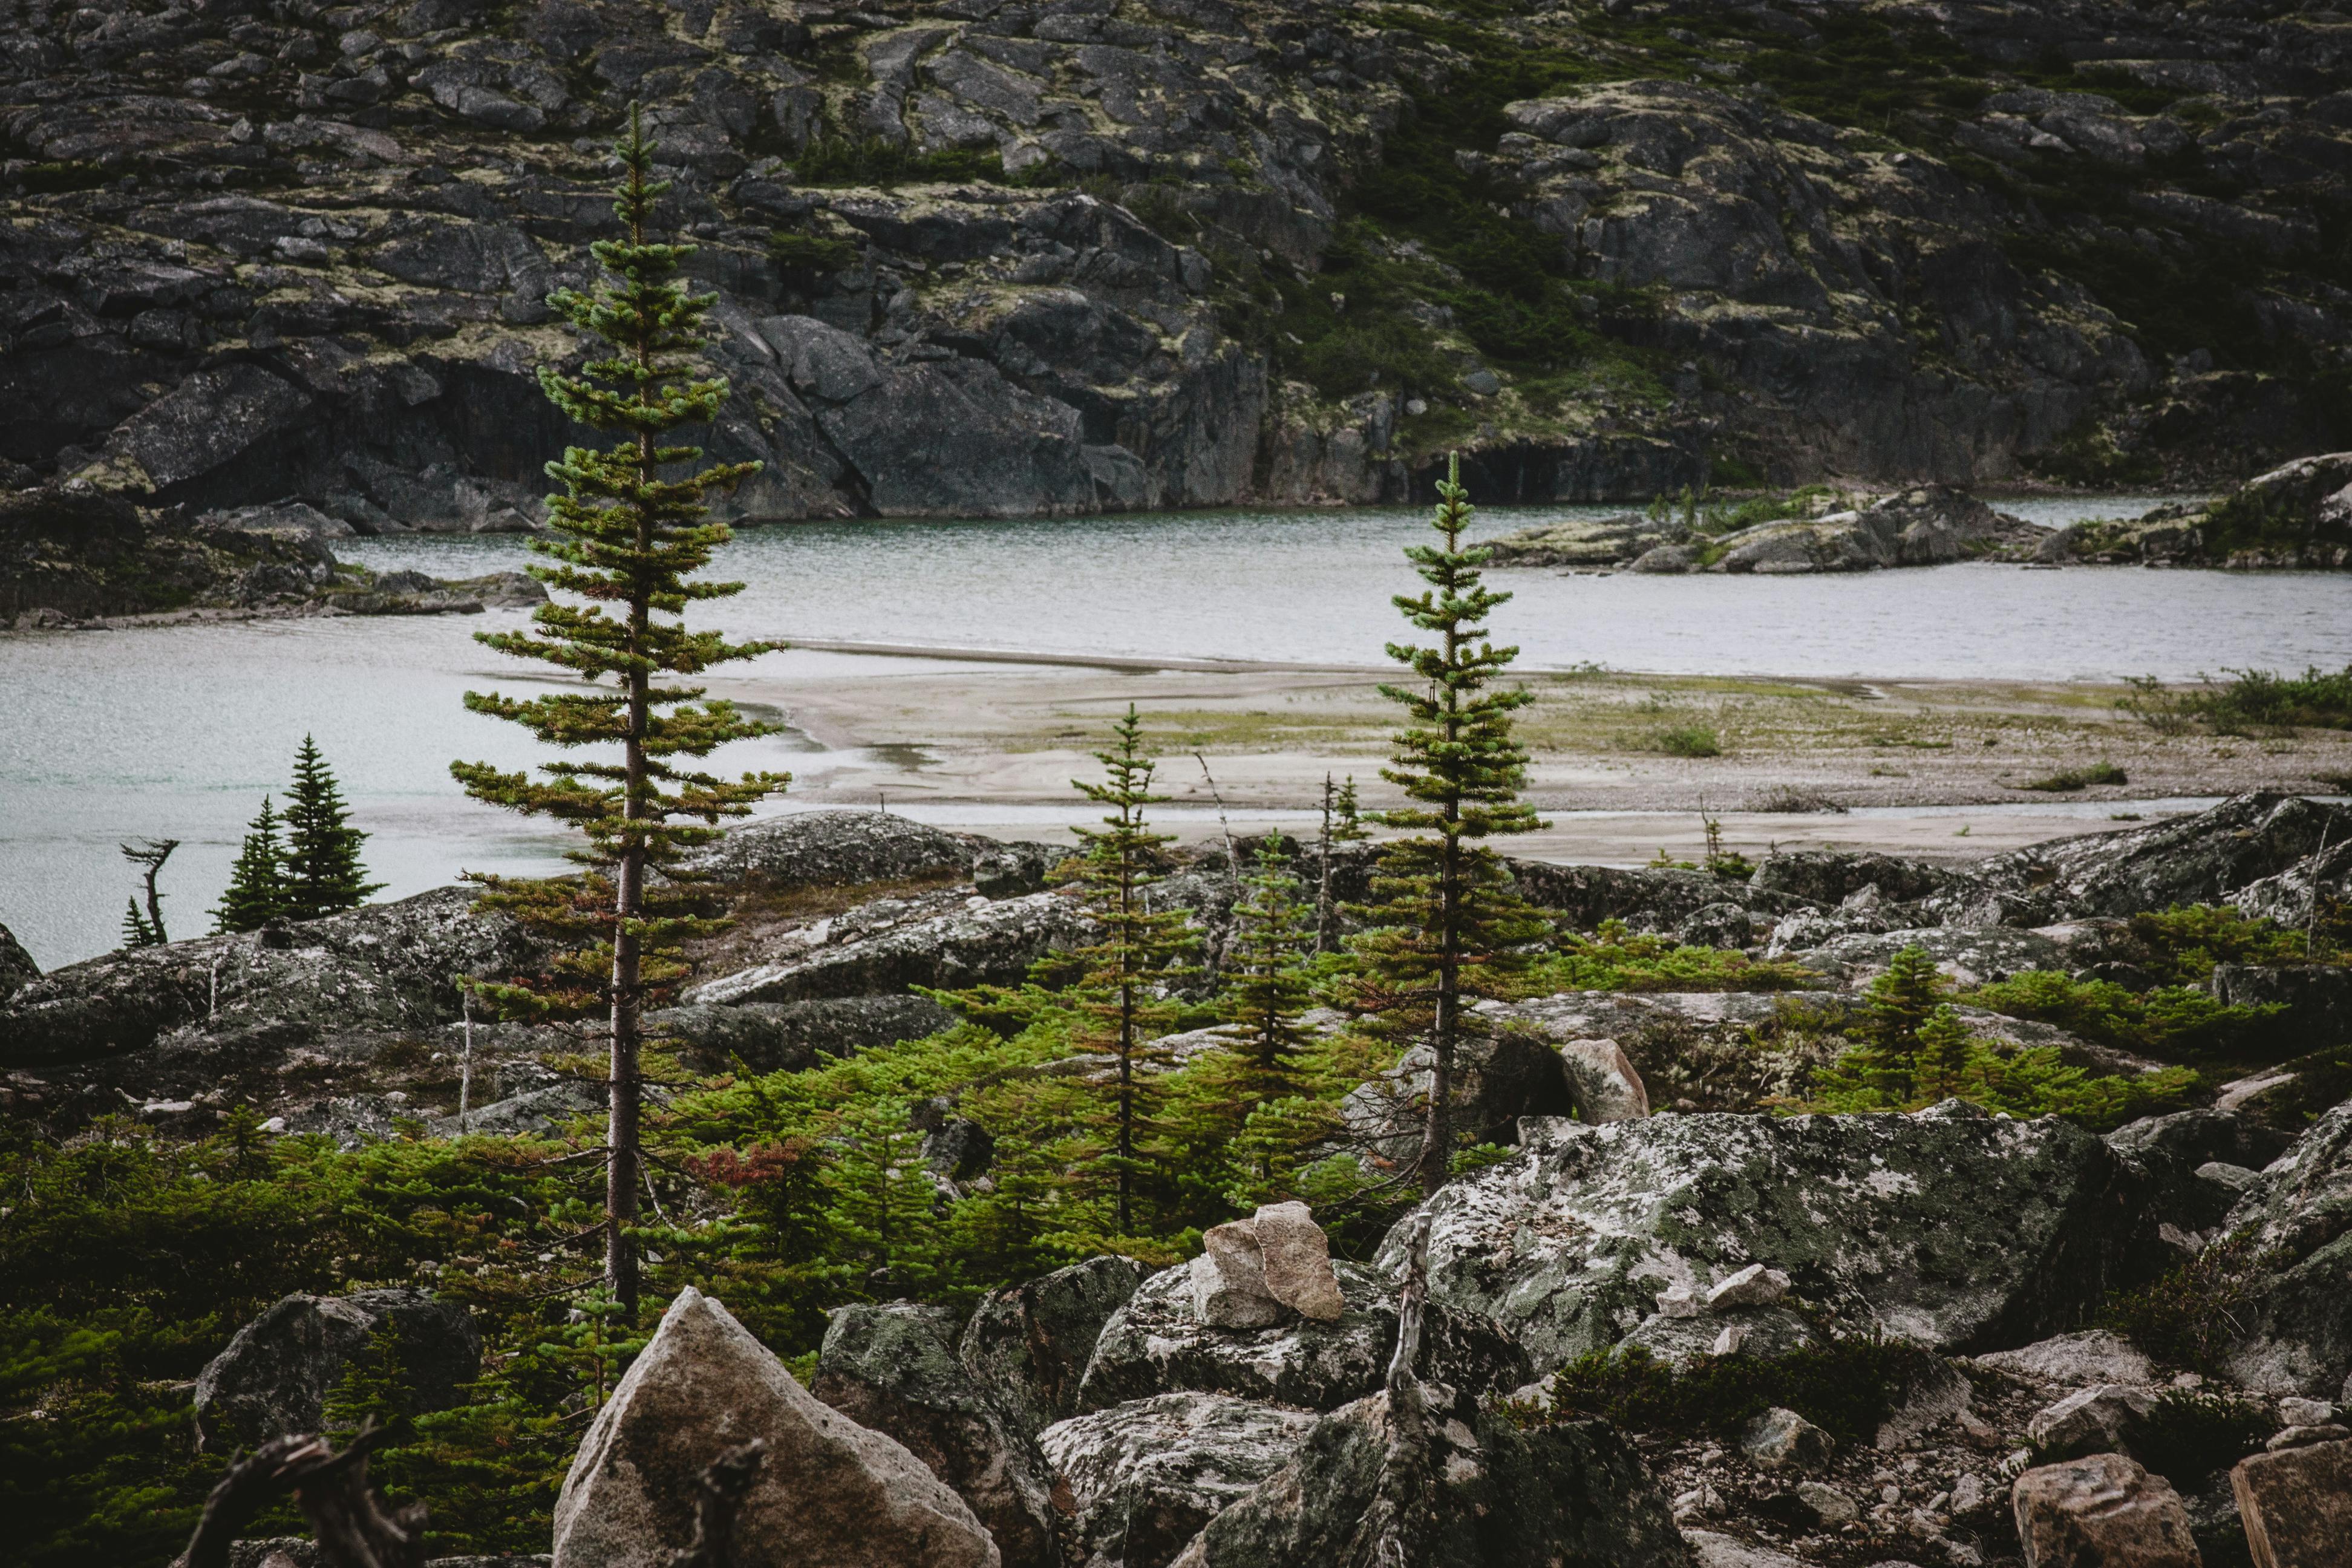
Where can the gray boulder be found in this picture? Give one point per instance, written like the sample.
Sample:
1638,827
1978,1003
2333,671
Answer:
1972,955
1140,1481
992,944
830,1491
2297,1318
1645,898
2290,895
277,1372
838,849
786,1037
1029,1345
1502,1072
893,1368
2101,1419
1458,1486
2316,998
2173,1148
1948,1227
380,966
1158,1343
1830,876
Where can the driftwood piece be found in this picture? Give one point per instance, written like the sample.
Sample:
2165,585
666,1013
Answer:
354,1527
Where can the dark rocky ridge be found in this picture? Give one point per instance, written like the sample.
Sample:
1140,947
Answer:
265,249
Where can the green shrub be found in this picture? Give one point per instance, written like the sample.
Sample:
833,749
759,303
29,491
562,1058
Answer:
805,258
2170,1022
846,161
1612,959
1845,1386
1688,741
2188,1317
2251,702
2071,779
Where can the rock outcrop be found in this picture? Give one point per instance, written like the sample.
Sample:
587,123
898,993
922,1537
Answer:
829,1491
382,965
1029,1345
893,1368
1023,262
2298,1321
2295,516
1930,527
1947,1226
276,1374
1158,1343
895,944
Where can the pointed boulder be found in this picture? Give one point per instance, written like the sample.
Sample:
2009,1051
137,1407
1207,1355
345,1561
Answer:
1297,1259
831,1495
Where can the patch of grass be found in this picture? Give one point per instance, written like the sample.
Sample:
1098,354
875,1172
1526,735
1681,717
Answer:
859,161
2067,779
806,257
1688,741
1845,1386
2251,703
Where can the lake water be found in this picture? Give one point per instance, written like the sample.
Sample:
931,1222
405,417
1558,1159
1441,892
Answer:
177,732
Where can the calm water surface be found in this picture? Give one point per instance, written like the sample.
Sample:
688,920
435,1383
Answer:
177,732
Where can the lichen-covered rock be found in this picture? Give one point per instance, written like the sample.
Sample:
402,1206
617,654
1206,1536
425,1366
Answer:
838,849
2204,857
1502,1070
276,1374
1947,1226
993,944
1141,1478
1644,898
1157,1343
2297,1317
830,1491
1830,876
1971,955
2089,1356
382,966
893,1368
1369,1488
786,1037
1029,1345
2174,1148
2315,999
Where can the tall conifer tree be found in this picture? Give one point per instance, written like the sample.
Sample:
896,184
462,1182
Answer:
628,531
1445,925
1125,972
322,872
1270,989
256,883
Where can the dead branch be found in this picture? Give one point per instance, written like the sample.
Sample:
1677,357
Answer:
353,1527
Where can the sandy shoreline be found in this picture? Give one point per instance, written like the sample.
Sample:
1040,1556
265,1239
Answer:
989,742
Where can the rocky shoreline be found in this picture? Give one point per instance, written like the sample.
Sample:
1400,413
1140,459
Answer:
1959,1272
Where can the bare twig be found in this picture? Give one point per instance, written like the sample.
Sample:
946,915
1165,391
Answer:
1232,853
719,1502
353,1526
1412,1302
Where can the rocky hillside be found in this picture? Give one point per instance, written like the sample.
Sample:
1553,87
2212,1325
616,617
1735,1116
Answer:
981,257
1666,1324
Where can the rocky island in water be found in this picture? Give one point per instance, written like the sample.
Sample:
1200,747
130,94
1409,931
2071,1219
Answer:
1282,1173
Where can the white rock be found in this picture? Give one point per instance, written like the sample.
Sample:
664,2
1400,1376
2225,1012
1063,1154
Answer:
1968,1494
1680,1302
830,1491
1602,1081
1297,1261
1727,1342
2297,1412
1754,1286
2094,1356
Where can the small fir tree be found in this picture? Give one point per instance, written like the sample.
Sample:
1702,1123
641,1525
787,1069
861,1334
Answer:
1270,987
321,870
1342,824
137,930
1446,926
1125,974
256,883
628,533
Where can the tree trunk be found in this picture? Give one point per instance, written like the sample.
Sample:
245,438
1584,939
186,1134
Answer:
628,1000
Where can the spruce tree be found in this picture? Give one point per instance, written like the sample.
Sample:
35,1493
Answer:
628,533
1270,986
322,871
1125,974
1342,824
257,882
1445,926
137,930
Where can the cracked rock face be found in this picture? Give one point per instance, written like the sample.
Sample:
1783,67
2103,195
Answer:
1946,1227
2298,1338
1141,1478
